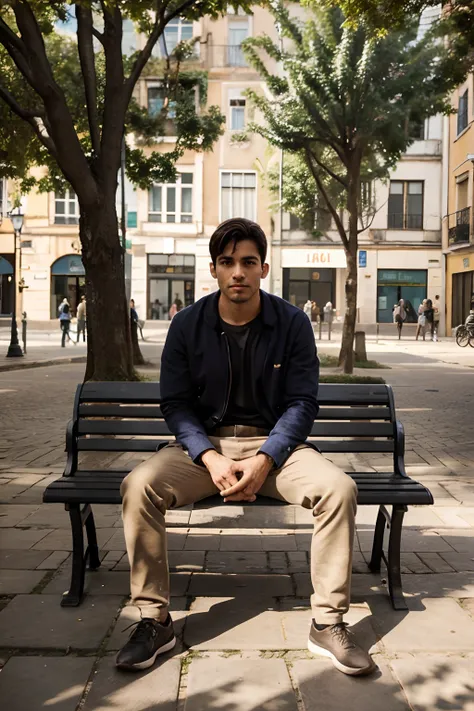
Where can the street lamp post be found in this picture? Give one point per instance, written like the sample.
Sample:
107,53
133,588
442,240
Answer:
14,349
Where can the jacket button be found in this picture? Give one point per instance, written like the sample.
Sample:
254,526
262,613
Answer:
289,449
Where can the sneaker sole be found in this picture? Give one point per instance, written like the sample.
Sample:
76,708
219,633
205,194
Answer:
149,662
351,671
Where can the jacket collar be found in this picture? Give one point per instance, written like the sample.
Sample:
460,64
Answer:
211,310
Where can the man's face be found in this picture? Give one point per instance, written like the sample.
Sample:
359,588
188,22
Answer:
239,271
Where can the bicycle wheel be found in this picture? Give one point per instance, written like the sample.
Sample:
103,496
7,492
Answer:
471,341
462,337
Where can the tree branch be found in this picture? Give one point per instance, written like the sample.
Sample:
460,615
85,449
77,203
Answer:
86,57
326,198
32,118
98,35
329,171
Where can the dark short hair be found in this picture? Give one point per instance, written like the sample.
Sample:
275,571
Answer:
235,230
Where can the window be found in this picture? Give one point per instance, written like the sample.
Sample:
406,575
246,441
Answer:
238,195
156,101
238,32
395,284
405,205
462,111
172,202
66,208
237,114
416,130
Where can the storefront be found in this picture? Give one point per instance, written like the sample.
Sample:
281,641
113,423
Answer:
314,274
411,285
7,283
459,287
170,280
67,281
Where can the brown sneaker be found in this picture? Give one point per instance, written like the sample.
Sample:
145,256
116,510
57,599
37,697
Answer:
335,641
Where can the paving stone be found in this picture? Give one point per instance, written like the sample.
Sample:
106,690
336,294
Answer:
111,558
50,515
39,621
226,623
461,540
298,561
324,688
240,585
19,581
61,539
176,540
412,541
16,538
452,518
112,689
97,582
186,560
303,541
468,605
278,562
12,514
35,683
241,543
202,543
131,614
435,625
437,681
411,563
21,559
237,562
279,543
435,562
459,561
243,684
452,585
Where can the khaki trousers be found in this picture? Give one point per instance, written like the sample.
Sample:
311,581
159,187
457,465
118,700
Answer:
170,479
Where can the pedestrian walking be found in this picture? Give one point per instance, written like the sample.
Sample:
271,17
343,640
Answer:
240,442
328,312
65,321
437,317
307,308
81,319
429,315
315,312
399,316
421,327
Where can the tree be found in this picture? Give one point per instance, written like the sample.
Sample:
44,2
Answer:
342,103
455,24
70,103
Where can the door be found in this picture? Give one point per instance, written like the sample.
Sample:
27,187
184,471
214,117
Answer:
238,32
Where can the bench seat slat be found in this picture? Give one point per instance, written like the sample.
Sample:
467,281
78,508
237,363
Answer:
103,410
354,413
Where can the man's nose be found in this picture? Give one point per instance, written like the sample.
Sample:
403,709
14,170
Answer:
238,272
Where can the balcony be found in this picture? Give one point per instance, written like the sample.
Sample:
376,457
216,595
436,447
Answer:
459,227
225,55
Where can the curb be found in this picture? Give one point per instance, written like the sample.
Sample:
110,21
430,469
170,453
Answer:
42,363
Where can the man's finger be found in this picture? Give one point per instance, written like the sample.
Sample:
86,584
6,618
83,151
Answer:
240,497
239,486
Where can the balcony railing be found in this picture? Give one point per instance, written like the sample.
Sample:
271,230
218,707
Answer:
404,221
459,227
225,55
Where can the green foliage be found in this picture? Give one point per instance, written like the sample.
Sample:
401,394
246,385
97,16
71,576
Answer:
344,102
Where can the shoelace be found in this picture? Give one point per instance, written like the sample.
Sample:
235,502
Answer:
342,635
142,630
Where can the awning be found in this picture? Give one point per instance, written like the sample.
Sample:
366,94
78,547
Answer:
5,266
69,265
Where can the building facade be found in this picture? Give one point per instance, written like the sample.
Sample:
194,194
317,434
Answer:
458,225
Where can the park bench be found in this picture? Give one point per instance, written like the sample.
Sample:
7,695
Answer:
126,418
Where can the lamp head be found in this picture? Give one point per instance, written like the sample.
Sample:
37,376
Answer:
17,220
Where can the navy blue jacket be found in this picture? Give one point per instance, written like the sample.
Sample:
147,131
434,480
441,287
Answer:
195,375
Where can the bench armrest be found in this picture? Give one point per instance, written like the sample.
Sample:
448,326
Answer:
399,451
71,448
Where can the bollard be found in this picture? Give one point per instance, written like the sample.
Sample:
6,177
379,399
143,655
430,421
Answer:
329,330
360,350
23,331
320,328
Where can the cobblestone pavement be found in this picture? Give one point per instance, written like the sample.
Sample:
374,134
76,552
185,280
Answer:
239,577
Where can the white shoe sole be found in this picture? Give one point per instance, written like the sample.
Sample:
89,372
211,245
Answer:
149,662
321,651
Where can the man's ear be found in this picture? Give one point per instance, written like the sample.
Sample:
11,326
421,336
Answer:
212,269
265,270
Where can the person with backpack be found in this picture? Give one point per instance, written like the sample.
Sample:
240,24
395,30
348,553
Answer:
65,321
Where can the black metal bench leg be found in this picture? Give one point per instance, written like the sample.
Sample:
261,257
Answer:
393,562
73,597
92,547
377,546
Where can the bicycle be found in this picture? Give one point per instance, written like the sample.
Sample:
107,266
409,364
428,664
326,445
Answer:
465,335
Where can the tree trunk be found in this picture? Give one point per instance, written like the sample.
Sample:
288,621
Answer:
346,355
109,351
138,358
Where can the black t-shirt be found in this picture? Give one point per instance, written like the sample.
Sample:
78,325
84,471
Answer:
241,409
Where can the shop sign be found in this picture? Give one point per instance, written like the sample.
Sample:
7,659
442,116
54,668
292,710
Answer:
329,258
465,263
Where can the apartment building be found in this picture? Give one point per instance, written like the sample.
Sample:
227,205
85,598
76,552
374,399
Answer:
458,226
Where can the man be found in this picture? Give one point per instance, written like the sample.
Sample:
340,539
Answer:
239,380
436,319
81,319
